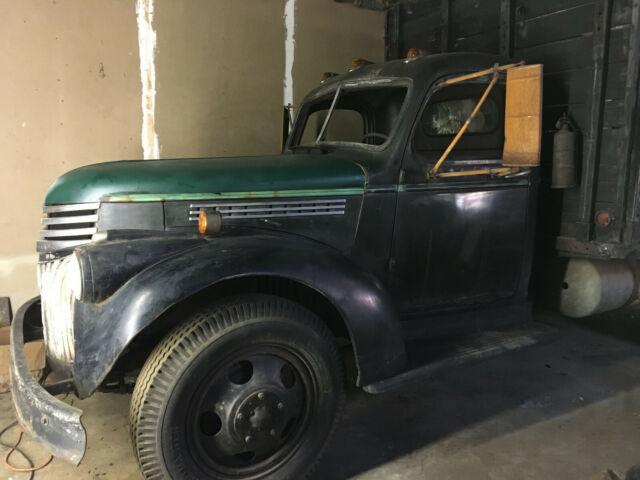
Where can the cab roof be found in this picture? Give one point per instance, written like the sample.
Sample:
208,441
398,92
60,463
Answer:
421,71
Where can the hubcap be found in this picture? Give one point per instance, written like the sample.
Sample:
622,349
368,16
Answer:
249,413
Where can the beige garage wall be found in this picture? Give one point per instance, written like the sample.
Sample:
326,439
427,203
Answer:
70,93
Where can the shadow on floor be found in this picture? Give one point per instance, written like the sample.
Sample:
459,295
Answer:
488,399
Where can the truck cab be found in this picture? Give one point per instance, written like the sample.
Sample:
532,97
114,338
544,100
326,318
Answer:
237,296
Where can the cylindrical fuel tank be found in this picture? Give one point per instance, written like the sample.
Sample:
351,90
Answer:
563,172
593,286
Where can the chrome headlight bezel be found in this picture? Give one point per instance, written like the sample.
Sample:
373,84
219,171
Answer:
61,285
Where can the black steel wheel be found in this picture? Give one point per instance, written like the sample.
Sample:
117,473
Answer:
250,388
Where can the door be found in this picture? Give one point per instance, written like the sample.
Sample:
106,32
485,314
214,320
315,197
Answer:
458,241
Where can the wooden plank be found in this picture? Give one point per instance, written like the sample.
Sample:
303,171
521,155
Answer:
590,161
528,9
629,196
560,56
421,32
616,80
619,44
421,8
506,28
614,111
486,42
556,26
606,192
621,12
415,25
523,117
570,199
568,87
471,17
445,30
392,34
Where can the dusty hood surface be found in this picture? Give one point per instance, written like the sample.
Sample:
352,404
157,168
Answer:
201,178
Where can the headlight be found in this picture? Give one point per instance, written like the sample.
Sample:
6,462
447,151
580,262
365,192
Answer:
74,276
60,284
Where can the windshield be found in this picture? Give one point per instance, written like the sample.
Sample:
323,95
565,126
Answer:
362,116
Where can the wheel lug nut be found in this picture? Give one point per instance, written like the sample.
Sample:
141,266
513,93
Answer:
280,405
247,439
273,432
261,396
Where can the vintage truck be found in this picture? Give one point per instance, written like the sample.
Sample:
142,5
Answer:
393,237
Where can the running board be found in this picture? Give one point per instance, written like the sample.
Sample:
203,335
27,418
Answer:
437,355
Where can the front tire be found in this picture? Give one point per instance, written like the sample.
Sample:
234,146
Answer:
250,388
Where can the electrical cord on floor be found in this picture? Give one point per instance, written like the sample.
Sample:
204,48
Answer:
14,448
31,469
8,445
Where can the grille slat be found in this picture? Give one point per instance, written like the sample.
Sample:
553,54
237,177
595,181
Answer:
68,220
67,226
251,210
70,207
68,232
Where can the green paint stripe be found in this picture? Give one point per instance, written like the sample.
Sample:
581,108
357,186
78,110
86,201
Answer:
152,197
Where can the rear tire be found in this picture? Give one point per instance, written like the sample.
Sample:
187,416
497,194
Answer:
250,388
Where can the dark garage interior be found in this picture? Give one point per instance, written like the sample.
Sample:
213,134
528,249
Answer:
323,239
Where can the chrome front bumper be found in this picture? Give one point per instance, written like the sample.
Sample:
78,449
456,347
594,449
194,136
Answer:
55,424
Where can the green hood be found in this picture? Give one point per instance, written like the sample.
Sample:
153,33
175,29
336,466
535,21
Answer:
205,178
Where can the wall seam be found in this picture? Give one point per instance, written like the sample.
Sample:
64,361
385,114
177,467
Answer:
147,48
289,50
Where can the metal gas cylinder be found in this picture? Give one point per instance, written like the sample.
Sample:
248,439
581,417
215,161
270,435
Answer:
592,286
563,174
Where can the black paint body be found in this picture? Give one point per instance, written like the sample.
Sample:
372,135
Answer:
405,249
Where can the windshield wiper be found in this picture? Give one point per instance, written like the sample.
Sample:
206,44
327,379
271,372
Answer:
326,120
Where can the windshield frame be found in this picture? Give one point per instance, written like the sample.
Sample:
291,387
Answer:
341,88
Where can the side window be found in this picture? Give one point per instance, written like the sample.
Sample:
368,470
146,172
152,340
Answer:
445,114
448,116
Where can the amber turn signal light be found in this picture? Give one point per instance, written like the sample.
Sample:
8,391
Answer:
358,62
413,53
327,75
209,222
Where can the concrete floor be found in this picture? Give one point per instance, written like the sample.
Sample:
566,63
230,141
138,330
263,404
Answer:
565,409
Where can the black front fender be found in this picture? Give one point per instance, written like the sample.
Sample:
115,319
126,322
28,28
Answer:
103,330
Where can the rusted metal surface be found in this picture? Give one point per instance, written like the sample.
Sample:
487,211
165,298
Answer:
53,423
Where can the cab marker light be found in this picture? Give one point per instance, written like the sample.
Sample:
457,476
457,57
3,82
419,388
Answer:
358,62
327,76
413,54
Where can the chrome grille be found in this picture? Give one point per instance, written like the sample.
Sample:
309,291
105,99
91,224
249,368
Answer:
67,226
296,208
